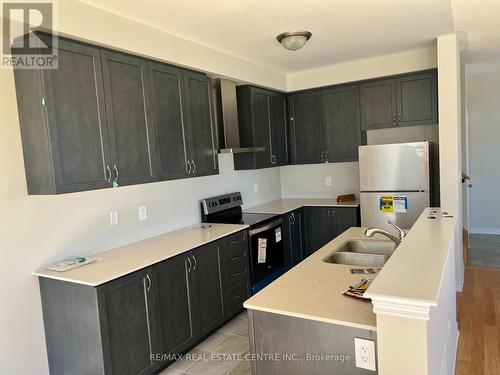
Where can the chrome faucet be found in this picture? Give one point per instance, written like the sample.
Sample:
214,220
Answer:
370,232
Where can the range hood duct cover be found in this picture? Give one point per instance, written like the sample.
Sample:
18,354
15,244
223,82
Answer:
228,133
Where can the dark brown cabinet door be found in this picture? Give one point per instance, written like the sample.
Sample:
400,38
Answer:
127,314
126,85
417,99
279,133
207,283
171,285
306,127
76,116
378,104
345,218
261,117
319,228
292,237
341,108
171,132
199,118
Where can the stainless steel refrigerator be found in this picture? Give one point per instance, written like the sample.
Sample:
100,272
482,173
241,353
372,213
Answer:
394,183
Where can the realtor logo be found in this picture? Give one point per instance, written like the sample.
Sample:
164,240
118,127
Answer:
22,48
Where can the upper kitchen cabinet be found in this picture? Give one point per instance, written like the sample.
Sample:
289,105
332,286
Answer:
262,123
306,127
417,99
401,101
198,115
105,119
279,131
342,123
378,104
63,123
171,132
130,125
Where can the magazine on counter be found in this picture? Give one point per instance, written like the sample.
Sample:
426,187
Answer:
358,291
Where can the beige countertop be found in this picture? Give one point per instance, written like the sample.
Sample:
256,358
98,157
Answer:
313,289
123,260
414,273
284,205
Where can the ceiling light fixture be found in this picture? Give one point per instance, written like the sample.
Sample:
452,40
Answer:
294,40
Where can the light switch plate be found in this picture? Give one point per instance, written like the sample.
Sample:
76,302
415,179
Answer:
364,351
328,181
143,213
113,215
255,188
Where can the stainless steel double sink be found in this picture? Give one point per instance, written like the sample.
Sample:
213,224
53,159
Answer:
364,253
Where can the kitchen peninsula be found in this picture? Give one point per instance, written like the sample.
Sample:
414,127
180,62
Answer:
304,311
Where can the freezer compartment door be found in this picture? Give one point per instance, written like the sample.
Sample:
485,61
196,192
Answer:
375,214
402,166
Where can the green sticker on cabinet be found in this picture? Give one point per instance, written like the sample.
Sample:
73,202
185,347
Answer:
115,183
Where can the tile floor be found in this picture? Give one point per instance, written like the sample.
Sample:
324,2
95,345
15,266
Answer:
484,250
220,354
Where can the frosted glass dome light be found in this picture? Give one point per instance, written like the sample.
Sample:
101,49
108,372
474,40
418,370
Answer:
294,40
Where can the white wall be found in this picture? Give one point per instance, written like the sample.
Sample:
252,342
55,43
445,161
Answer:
406,134
87,23
450,157
396,63
483,107
308,181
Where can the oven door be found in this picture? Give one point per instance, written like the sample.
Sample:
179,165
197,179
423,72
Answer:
266,254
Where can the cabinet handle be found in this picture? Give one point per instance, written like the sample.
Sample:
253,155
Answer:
236,274
195,263
194,166
290,220
234,258
189,266
146,289
116,172
188,167
326,155
322,155
293,215
238,296
149,282
399,117
233,242
108,174
394,118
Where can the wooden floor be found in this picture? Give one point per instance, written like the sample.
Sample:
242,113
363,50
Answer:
478,313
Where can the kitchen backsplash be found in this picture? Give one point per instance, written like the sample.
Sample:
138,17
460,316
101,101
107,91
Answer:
310,181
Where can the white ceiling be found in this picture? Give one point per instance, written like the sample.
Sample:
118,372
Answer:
480,19
342,30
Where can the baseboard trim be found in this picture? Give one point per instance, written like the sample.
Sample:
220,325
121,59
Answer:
481,230
459,282
455,357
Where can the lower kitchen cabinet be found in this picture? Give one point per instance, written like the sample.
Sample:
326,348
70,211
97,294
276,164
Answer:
128,325
127,312
174,304
323,224
293,238
206,280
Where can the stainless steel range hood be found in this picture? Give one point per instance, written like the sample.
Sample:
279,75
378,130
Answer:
226,116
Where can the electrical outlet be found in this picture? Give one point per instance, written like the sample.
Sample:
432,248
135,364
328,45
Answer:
364,351
255,188
328,181
143,213
113,215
